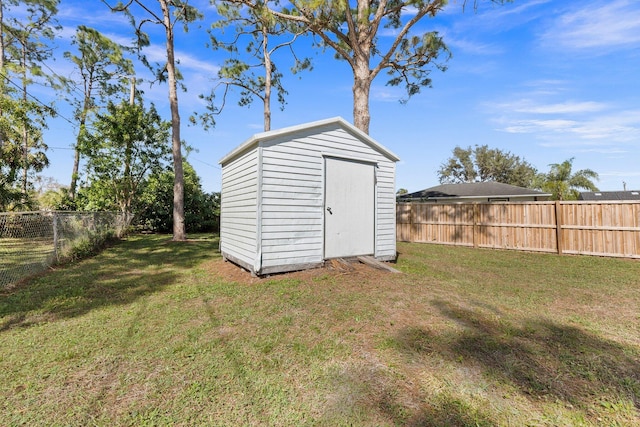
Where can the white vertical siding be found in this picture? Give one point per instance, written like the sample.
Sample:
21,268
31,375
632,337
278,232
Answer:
272,211
293,194
238,210
386,211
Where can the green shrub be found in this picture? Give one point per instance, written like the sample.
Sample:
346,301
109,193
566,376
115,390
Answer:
87,246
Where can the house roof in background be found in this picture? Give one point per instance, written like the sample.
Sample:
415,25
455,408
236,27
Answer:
610,195
473,190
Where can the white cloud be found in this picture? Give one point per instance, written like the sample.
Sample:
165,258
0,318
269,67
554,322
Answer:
518,9
389,32
621,173
610,129
98,17
473,47
603,150
387,94
533,126
197,65
571,123
560,108
546,87
409,11
495,18
615,24
66,33
158,53
615,126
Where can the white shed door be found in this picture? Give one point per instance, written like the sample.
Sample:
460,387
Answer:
349,208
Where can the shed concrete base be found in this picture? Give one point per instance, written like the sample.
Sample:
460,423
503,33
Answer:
298,267
271,270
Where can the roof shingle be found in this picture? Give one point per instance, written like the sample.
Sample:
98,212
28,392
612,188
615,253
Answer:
472,189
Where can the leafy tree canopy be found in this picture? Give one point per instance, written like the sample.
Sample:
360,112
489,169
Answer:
153,208
352,29
481,163
166,13
26,31
256,36
103,71
564,184
127,144
16,161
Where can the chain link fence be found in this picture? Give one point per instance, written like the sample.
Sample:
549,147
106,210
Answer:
32,241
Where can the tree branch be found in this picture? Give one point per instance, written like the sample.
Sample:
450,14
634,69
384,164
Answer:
384,62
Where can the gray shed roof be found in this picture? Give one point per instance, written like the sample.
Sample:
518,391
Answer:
609,195
337,121
473,190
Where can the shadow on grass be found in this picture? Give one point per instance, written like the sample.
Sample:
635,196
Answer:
131,269
542,359
370,394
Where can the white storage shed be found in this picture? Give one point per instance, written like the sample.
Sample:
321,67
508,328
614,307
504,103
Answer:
294,197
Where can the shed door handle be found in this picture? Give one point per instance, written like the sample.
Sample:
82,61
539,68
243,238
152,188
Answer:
329,210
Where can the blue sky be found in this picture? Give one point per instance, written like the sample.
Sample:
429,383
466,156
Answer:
546,80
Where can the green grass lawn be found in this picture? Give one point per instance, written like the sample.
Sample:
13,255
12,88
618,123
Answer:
152,332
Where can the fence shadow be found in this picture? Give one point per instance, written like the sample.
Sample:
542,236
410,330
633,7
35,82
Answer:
542,359
127,271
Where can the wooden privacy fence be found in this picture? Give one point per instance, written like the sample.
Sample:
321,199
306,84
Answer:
586,228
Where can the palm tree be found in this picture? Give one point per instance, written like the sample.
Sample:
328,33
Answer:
564,185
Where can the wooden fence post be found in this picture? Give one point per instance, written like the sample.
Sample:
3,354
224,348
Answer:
559,220
411,233
476,226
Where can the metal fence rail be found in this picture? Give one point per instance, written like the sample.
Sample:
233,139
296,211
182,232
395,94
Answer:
32,241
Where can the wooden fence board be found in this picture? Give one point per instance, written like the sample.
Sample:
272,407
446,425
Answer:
586,228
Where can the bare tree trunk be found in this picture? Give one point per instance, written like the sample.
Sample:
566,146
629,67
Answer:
267,78
2,54
362,77
25,134
76,157
361,88
127,188
25,160
361,116
2,136
74,172
178,183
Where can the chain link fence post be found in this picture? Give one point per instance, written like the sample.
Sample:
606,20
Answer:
55,236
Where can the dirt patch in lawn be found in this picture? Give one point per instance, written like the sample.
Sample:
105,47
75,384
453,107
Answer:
347,270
